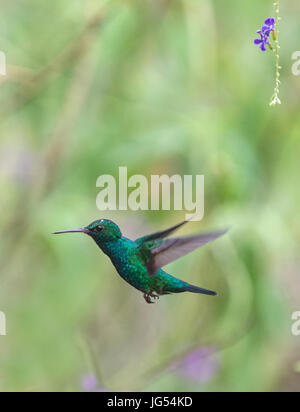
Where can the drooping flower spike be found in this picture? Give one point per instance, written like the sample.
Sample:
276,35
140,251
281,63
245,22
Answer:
271,26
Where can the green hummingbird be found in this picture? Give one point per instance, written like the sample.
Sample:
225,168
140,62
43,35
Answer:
140,262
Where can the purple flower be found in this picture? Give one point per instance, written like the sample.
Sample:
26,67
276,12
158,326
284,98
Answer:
270,23
263,41
264,33
200,365
89,383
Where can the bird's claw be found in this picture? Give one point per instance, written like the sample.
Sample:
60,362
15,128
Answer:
148,296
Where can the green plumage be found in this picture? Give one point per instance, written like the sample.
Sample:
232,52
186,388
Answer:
131,266
139,262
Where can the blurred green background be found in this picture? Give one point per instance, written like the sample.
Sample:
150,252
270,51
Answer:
160,87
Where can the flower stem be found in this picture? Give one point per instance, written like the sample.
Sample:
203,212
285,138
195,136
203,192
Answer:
275,98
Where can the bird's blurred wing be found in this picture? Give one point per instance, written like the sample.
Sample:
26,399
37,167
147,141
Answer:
160,252
159,235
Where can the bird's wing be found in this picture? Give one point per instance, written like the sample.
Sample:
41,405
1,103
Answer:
159,235
159,252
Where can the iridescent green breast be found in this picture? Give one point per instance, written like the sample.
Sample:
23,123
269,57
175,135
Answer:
130,266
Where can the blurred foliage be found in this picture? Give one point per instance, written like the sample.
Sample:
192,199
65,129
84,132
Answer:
164,86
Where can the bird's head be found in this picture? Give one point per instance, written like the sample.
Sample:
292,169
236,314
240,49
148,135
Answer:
102,230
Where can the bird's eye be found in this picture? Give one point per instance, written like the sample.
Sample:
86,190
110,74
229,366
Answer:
99,228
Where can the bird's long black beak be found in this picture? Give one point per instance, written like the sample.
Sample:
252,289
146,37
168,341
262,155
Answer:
81,230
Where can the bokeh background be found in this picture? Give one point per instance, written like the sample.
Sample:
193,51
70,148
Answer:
160,87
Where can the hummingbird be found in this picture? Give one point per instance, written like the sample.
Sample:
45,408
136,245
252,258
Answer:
140,262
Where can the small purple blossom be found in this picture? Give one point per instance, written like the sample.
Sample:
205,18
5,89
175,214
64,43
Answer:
266,30
200,365
270,23
89,383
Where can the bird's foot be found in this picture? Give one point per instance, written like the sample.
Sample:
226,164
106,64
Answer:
153,295
148,296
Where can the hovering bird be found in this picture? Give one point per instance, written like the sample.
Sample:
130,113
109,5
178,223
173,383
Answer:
139,262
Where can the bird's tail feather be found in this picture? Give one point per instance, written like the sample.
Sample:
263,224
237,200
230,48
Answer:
195,289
